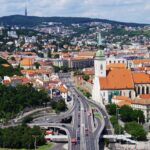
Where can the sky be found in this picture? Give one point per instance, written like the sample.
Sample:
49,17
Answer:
119,10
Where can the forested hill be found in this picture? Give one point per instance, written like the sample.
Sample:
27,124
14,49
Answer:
30,21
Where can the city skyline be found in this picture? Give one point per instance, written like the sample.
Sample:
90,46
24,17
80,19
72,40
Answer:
127,11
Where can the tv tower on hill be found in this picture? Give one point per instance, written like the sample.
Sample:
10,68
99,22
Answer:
26,10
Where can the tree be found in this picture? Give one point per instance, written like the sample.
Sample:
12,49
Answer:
61,105
138,116
64,68
56,56
111,108
87,94
126,113
117,128
13,59
19,98
9,70
56,69
49,54
78,72
86,77
27,119
136,130
37,65
114,120
21,137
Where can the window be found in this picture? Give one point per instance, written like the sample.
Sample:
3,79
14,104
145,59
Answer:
101,67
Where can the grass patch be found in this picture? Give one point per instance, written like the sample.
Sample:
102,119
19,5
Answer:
45,147
84,92
11,149
97,115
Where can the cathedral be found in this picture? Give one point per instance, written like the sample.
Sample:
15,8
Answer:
124,82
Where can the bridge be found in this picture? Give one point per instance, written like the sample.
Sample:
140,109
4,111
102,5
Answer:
120,137
57,138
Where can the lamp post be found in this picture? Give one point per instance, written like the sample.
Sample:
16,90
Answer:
44,110
117,115
35,136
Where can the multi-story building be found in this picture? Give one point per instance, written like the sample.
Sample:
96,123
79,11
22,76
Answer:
117,81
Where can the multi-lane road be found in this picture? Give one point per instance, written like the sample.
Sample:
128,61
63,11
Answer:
89,134
84,127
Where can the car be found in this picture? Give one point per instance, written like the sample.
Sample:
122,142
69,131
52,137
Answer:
73,140
86,131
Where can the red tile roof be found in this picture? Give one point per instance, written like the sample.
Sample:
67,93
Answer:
116,66
144,96
122,103
141,77
121,98
117,79
141,102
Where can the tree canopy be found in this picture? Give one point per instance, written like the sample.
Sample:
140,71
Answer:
6,69
21,137
136,130
126,113
86,77
16,99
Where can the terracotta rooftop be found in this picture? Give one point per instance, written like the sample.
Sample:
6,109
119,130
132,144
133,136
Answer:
141,101
121,98
26,62
122,103
141,61
141,77
116,66
63,89
86,54
144,96
117,79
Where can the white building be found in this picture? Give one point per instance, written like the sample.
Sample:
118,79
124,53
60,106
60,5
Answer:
116,81
144,105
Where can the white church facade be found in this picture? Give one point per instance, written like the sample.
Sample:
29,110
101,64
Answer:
122,81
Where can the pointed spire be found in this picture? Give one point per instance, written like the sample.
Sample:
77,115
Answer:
100,52
99,39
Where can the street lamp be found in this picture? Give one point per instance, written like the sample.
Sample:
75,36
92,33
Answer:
35,136
44,110
117,115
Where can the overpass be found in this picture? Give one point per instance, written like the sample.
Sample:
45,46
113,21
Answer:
120,137
57,138
61,126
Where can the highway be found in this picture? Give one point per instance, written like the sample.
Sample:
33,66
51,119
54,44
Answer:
84,127
89,140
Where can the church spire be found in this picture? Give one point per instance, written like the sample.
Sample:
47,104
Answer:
100,52
99,39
